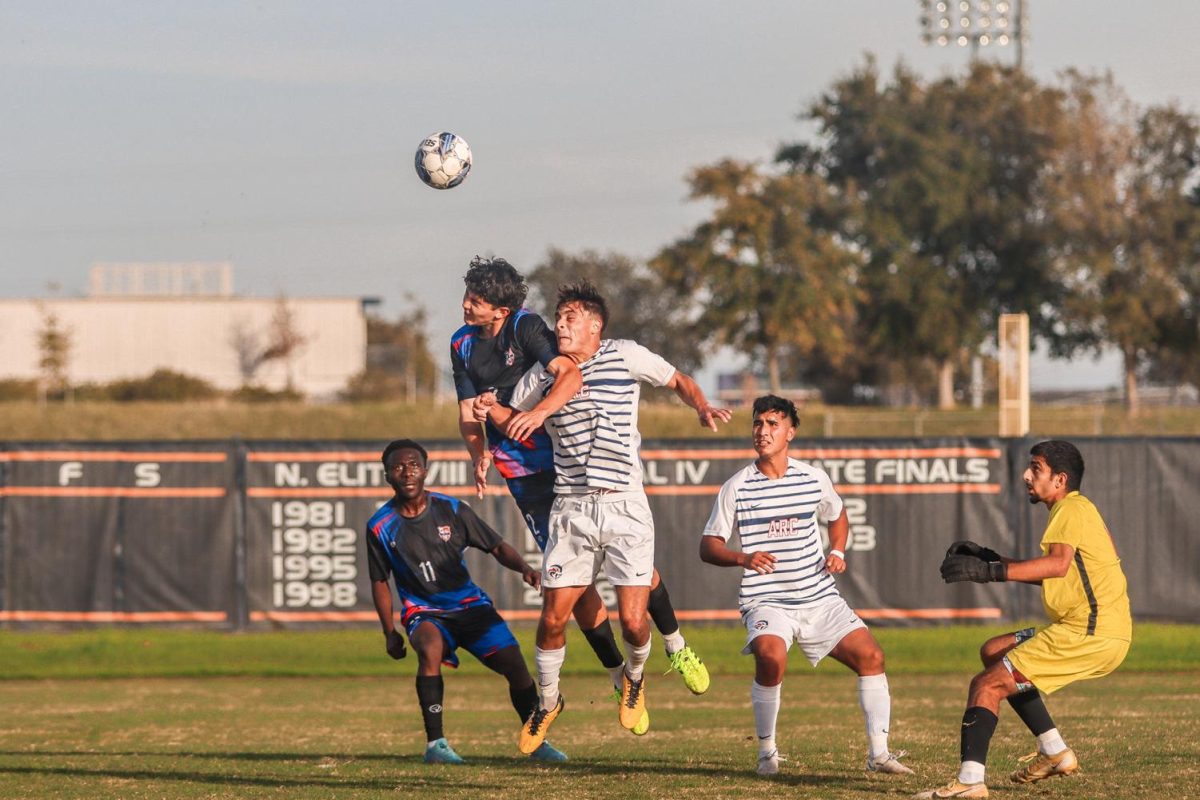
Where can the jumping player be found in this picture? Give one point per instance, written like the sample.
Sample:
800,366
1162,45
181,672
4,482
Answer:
418,538
788,592
600,517
499,343
1084,594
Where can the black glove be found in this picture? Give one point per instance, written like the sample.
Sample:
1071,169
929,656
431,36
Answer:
395,645
957,568
969,548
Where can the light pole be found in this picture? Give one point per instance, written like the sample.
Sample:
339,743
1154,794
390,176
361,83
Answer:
977,23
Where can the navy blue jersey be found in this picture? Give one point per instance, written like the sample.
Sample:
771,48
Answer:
425,554
497,363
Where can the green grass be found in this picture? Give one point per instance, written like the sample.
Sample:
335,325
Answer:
226,419
351,729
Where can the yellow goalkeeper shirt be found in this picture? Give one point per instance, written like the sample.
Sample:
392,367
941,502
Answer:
1092,597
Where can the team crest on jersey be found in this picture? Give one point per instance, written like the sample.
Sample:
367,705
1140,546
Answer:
444,532
554,571
510,357
779,528
760,625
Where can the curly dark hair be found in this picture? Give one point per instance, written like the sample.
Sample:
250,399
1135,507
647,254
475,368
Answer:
780,405
496,281
587,295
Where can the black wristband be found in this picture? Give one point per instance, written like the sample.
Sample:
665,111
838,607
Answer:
997,571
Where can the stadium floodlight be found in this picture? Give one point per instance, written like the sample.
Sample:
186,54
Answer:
976,23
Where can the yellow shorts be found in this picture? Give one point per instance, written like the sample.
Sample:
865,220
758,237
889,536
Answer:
1057,655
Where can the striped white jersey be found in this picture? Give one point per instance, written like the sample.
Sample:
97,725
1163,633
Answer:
595,435
779,516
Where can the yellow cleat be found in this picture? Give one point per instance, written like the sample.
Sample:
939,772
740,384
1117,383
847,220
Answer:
955,789
1044,766
533,732
689,665
643,725
633,702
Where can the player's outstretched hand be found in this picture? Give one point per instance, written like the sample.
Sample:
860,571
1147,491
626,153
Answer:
761,562
965,547
709,415
481,468
482,404
395,645
958,568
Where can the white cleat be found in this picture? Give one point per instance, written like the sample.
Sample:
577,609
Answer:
889,763
769,764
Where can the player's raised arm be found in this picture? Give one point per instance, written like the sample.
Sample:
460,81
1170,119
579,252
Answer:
567,382
714,550
690,393
473,436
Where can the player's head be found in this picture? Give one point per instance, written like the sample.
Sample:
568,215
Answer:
579,318
775,421
1055,470
404,467
494,290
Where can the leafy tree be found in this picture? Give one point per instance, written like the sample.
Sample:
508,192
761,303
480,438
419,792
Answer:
640,306
399,364
54,356
1130,229
768,273
950,179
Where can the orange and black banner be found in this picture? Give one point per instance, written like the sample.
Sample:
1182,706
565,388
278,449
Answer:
238,534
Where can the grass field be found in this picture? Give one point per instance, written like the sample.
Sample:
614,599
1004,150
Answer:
21,421
166,714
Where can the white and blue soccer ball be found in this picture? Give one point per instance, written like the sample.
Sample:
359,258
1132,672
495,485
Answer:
443,160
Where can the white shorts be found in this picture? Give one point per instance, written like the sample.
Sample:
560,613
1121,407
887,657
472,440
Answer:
816,628
613,530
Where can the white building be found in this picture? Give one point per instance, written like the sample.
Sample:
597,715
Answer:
143,317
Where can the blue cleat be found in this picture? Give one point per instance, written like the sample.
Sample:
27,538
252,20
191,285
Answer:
439,751
548,752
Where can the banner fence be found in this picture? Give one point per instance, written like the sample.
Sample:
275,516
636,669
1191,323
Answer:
263,534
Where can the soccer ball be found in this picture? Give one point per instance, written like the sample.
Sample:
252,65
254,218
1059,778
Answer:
443,160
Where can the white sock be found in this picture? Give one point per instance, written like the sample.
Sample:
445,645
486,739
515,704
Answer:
1051,742
674,641
635,659
615,674
765,701
970,772
549,665
876,703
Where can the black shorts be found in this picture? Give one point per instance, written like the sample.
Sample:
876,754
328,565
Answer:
478,629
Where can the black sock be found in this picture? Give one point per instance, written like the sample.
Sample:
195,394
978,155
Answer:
660,609
523,700
430,691
978,725
605,644
1032,711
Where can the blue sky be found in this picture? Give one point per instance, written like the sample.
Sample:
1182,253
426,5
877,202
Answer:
279,135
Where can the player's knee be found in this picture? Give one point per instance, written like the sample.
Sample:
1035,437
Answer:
991,650
633,624
870,662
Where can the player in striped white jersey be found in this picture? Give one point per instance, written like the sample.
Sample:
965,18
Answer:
788,592
601,517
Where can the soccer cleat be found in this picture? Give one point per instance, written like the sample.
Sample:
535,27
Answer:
439,751
548,752
633,702
1045,766
533,732
769,764
955,789
689,665
889,763
643,726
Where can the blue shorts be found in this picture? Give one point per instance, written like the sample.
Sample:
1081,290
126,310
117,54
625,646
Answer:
535,495
478,629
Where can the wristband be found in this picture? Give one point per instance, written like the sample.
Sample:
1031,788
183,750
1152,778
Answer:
838,553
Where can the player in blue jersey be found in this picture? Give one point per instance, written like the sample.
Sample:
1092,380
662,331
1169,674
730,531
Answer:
788,592
499,343
418,538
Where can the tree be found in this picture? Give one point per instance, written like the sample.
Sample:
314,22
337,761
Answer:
950,179
399,364
1129,248
54,356
768,273
640,306
283,341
